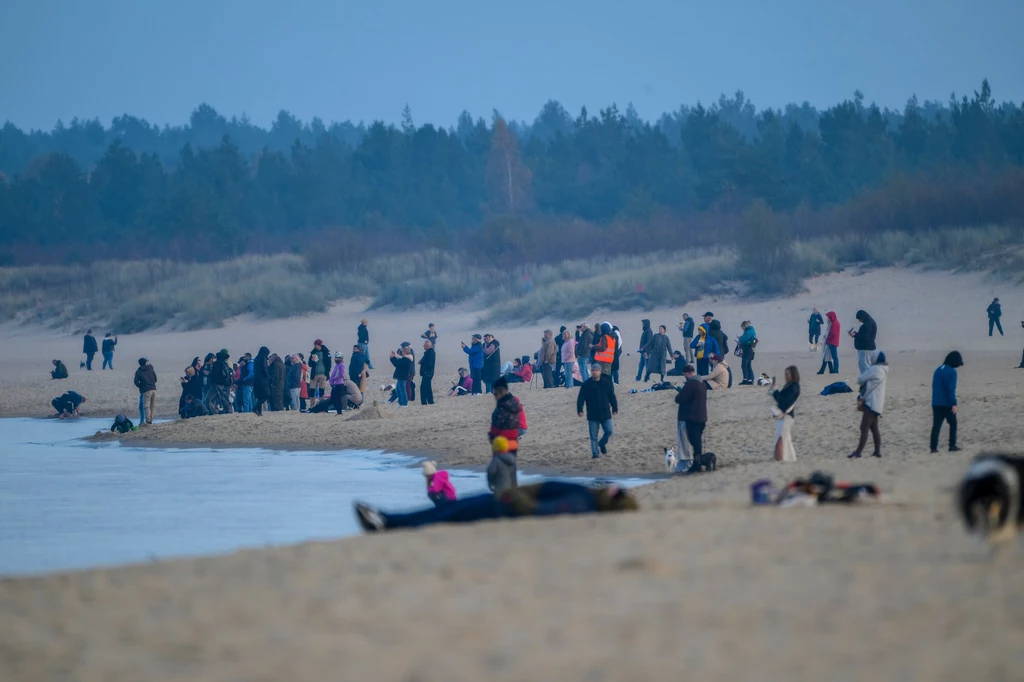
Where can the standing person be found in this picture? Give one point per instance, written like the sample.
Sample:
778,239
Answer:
686,326
293,382
715,331
261,380
705,345
584,344
558,375
108,351
191,383
830,353
504,438
568,354
691,420
995,311
944,403
403,368
618,353
145,381
864,340
304,388
245,378
277,379
218,395
645,338
475,351
90,348
598,394
871,403
492,362
814,323
548,354
1021,365
320,369
357,370
604,349
239,400
204,375
363,336
427,373
337,382
747,341
430,335
785,401
658,349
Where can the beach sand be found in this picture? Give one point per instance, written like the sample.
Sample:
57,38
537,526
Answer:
697,584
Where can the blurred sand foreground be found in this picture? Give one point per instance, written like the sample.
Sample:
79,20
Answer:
697,585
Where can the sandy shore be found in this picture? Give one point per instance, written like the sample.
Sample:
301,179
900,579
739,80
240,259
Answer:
697,581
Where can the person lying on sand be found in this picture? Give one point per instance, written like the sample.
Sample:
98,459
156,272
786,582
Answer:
550,498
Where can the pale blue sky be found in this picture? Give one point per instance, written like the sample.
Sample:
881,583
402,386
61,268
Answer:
366,60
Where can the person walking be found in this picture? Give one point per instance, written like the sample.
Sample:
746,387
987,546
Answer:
686,326
814,324
658,351
108,351
995,311
492,362
145,381
475,351
785,401
944,403
568,355
363,337
427,373
830,352
293,383
403,368
691,420
584,346
871,403
645,337
90,349
864,340
261,379
546,358
746,342
598,394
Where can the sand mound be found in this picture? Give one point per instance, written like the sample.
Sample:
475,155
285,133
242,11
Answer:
372,412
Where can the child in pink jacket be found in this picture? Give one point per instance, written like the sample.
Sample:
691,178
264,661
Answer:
439,488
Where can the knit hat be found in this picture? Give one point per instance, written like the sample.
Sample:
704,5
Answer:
429,468
880,359
596,365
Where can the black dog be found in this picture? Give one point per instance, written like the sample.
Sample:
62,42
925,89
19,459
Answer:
989,496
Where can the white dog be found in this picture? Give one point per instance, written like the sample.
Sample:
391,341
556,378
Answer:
670,459
763,380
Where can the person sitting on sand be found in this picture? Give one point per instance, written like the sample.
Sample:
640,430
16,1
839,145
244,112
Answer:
550,498
123,424
679,365
464,386
718,379
525,370
59,371
193,408
67,404
439,487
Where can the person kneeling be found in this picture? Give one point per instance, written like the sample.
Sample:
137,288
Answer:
123,424
193,408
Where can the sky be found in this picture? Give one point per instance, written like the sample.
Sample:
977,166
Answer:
343,60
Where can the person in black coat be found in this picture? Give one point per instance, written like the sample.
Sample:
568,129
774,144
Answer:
995,311
598,394
492,362
679,365
427,373
864,341
278,377
90,348
363,338
645,337
403,370
261,379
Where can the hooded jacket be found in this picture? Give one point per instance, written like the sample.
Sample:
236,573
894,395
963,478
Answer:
944,386
261,373
865,338
145,378
645,335
715,332
873,383
441,486
505,421
221,374
995,310
492,362
833,335
704,344
748,337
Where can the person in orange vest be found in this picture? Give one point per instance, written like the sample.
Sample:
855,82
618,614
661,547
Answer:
604,350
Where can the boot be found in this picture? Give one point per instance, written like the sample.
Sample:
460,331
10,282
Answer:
695,468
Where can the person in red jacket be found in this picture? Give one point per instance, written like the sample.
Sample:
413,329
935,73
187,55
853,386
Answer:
830,352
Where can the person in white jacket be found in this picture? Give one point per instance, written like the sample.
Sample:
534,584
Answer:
872,403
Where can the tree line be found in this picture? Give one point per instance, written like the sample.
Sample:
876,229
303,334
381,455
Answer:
217,188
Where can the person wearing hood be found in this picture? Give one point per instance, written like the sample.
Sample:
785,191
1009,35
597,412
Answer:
746,342
59,371
567,353
584,346
439,486
475,351
720,337
645,338
319,369
995,311
278,374
864,340
718,379
944,403
705,345
686,327
492,362
546,358
814,324
604,349
427,362
871,403
145,381
90,348
218,395
658,349
261,379
618,353
830,351
293,382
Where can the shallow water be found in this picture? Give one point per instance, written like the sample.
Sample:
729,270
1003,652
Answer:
68,504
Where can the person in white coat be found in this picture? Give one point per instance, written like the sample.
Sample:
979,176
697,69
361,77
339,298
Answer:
871,403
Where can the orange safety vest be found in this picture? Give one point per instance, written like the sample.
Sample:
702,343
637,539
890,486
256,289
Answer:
607,356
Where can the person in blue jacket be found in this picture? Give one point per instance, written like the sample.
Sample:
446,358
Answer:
705,345
475,351
747,341
944,404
